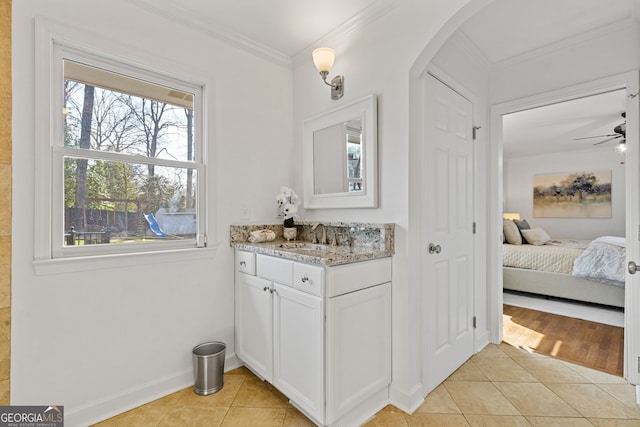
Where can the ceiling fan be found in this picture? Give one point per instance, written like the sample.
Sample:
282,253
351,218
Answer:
620,132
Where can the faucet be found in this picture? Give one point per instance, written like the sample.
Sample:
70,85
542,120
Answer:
335,241
324,233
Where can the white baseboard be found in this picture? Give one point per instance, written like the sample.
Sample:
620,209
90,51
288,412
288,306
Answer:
407,401
126,400
232,362
365,410
481,340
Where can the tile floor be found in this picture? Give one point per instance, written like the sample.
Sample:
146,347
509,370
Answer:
500,386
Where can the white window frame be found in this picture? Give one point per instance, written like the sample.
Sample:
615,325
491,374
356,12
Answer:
50,253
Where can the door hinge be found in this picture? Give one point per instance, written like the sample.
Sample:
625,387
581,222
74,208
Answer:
475,322
475,131
474,228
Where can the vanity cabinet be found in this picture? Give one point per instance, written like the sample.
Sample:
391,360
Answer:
254,311
321,335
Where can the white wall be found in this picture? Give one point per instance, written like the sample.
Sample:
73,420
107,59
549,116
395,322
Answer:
600,55
518,193
99,342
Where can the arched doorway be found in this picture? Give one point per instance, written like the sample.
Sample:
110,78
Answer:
488,295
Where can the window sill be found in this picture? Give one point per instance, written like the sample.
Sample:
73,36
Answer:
100,262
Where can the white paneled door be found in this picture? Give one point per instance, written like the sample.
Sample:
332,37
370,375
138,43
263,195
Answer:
447,215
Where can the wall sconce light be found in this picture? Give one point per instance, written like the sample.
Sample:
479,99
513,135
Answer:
323,58
622,146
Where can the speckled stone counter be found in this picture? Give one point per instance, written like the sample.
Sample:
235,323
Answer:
355,242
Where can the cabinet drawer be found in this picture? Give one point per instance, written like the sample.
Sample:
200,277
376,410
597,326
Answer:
346,278
308,278
245,262
277,269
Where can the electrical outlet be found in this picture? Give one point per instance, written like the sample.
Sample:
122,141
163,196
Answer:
245,212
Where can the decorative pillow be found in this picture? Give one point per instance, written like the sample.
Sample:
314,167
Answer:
522,225
536,236
511,232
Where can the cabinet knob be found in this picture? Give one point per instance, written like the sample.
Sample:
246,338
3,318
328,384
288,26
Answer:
266,288
304,279
242,263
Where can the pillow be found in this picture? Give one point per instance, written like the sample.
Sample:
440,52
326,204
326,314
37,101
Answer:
511,232
536,236
522,225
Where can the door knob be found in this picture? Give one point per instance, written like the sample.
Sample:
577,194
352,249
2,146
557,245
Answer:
632,267
434,249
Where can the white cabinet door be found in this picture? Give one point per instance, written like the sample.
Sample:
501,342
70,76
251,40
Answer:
254,324
298,355
358,348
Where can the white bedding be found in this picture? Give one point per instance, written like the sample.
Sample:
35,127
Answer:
556,256
603,260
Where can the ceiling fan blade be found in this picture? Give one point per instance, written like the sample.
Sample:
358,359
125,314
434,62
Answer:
598,136
607,140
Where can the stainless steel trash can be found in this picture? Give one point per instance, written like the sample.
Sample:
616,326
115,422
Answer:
208,367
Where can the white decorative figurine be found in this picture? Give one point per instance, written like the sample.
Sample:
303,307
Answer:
287,202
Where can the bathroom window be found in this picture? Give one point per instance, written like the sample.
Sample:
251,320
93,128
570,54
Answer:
126,160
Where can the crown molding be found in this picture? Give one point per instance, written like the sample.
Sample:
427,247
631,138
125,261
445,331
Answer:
567,43
345,30
182,16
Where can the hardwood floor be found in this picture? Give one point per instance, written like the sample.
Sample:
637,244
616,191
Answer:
585,343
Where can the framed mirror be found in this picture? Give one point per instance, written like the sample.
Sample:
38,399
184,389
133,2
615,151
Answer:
340,157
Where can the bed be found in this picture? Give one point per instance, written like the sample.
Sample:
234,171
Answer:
588,271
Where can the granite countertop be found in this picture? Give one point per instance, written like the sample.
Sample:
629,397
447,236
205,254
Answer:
325,255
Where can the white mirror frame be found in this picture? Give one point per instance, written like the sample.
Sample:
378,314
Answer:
367,109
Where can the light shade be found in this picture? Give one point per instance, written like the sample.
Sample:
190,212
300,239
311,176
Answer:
511,216
323,58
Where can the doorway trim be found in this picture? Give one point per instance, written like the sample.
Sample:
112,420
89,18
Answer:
627,81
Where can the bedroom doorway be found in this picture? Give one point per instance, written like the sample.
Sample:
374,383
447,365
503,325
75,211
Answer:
572,138
628,84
